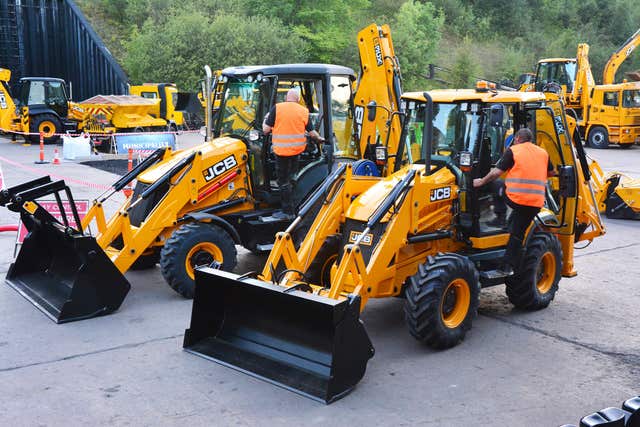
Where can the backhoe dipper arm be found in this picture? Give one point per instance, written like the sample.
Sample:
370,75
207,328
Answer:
618,57
379,83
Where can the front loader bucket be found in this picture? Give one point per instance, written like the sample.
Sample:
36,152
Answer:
66,275
312,345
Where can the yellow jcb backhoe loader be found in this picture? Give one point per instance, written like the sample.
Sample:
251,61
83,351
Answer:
606,113
191,207
422,233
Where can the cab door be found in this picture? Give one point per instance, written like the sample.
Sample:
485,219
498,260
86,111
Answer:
549,124
608,112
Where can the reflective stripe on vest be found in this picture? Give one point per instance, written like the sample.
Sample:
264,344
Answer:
288,135
526,180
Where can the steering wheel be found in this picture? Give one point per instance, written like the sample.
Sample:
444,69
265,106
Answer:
553,87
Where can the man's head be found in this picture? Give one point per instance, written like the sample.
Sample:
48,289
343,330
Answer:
523,135
293,95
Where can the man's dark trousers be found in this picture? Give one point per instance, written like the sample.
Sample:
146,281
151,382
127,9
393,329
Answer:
521,217
286,168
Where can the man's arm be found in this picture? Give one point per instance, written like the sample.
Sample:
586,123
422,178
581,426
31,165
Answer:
315,136
493,174
269,121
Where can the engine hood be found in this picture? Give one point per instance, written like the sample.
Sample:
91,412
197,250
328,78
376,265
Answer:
212,152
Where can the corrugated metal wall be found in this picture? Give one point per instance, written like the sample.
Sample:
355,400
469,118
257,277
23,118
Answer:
53,38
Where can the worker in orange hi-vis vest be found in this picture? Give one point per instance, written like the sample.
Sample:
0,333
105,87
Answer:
288,123
527,167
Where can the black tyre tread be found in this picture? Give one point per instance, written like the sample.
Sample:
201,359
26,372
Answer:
521,288
178,245
423,294
330,247
590,141
33,128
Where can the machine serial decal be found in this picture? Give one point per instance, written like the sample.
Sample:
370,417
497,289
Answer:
219,168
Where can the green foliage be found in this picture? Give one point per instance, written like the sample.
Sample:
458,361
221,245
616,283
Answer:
416,33
494,39
176,49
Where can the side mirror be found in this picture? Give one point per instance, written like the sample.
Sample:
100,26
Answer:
568,187
497,115
371,111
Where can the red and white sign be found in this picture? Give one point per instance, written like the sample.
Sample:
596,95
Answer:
52,207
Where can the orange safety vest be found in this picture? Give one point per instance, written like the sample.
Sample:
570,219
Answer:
526,180
288,135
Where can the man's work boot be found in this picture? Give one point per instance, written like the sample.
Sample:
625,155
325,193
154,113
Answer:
505,270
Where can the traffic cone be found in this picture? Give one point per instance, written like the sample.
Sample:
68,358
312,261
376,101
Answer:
128,190
41,161
56,159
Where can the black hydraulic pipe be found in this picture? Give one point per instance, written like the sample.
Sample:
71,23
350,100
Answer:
167,176
391,199
311,200
427,135
428,237
131,175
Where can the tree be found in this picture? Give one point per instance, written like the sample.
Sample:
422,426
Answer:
416,33
176,50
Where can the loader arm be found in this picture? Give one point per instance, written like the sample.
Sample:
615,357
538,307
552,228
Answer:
379,86
618,57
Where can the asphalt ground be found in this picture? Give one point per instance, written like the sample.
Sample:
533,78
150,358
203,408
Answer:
515,368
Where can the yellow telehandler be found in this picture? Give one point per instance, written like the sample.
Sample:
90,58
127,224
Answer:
422,233
192,207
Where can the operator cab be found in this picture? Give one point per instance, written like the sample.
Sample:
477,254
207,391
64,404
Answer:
249,94
559,71
471,130
43,93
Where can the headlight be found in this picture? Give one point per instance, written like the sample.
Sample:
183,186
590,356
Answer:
381,153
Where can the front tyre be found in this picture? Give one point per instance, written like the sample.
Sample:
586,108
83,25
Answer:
598,137
442,300
193,245
535,285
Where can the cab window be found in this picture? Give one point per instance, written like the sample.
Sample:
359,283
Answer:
611,99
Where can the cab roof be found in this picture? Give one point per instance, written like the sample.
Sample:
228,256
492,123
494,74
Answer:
41,79
288,69
557,60
460,95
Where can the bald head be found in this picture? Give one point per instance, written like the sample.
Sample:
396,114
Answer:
293,95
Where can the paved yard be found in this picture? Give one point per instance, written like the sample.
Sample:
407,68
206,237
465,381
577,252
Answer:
543,368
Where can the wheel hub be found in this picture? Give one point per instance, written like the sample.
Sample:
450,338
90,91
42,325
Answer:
455,303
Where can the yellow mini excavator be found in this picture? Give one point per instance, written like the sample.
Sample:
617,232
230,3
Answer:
422,233
192,207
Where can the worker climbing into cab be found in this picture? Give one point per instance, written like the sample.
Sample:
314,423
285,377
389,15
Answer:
289,125
527,167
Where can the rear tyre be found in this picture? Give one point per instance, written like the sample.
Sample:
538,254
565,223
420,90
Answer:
194,245
319,272
536,284
49,125
598,137
442,300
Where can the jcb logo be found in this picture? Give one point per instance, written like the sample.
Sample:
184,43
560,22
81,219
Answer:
366,240
440,193
378,51
219,168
